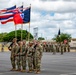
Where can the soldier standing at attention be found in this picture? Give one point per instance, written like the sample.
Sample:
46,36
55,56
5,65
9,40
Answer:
51,47
62,47
17,55
33,55
30,59
68,47
54,48
23,55
38,56
12,48
48,46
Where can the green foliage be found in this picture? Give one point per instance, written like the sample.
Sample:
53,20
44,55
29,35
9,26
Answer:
62,37
2,35
11,35
41,38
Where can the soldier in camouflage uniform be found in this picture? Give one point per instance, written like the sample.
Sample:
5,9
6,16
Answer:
48,46
68,47
62,47
51,47
43,44
17,55
23,55
33,55
57,46
13,48
30,59
38,56
54,48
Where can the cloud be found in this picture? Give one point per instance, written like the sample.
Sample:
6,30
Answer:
47,5
3,3
20,2
48,0
64,16
55,6
69,0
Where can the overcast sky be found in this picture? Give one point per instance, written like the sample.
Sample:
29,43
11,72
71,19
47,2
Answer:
47,15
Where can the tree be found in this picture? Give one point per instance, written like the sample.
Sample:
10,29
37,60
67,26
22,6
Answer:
62,37
11,35
2,35
41,38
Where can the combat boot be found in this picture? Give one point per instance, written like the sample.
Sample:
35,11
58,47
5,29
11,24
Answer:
13,69
38,72
29,71
18,70
23,70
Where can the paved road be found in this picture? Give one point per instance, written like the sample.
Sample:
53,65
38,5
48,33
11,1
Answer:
51,64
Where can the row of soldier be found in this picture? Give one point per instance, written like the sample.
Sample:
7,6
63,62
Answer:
32,53
22,53
56,47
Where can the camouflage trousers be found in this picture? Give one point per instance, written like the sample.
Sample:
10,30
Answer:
61,51
34,66
38,63
18,62
30,62
54,51
21,62
13,62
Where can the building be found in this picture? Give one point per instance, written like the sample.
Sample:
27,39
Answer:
73,43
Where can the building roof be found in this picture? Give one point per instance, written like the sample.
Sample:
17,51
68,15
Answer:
73,39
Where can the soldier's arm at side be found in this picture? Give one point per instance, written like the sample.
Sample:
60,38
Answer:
17,51
10,46
41,51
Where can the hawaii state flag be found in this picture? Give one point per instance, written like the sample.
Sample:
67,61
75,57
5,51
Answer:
8,16
22,17
7,9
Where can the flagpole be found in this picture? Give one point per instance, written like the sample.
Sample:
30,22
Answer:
29,33
15,31
29,28
22,27
21,31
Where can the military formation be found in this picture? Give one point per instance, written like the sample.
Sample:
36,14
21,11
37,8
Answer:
55,47
23,54
30,54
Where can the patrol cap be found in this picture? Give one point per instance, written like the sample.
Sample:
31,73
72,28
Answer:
14,39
